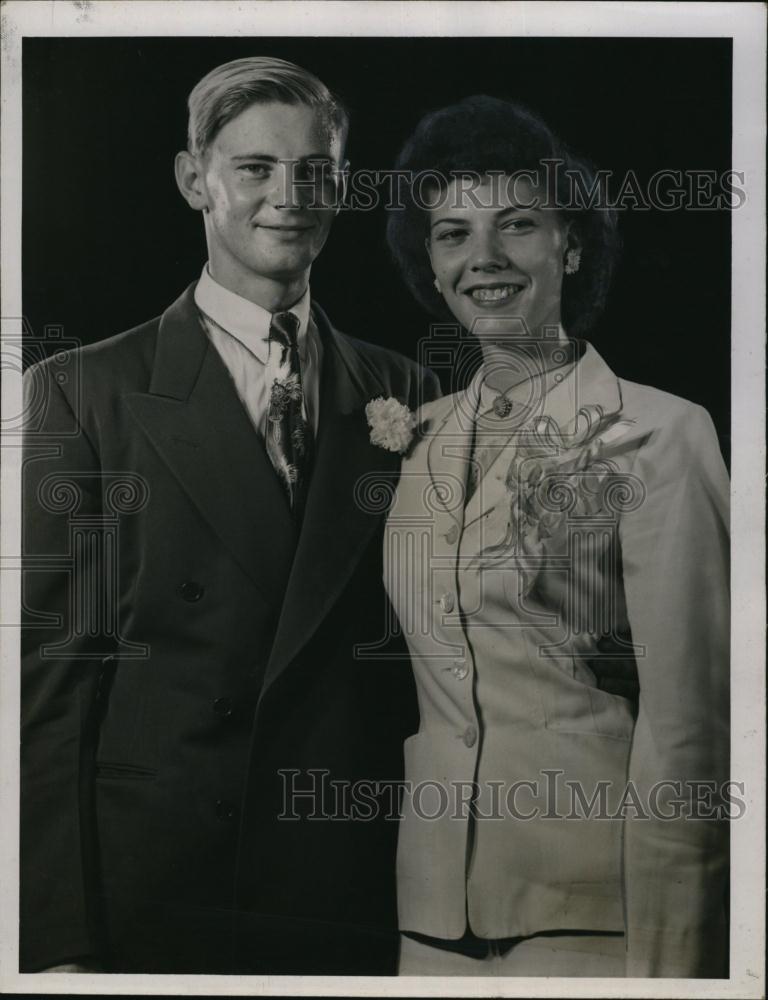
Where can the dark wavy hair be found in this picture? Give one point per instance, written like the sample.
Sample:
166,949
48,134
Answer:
483,134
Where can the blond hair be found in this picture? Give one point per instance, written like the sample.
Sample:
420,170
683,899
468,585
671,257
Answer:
229,89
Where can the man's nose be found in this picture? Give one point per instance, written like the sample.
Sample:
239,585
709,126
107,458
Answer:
286,193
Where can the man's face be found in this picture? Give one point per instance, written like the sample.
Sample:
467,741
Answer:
262,175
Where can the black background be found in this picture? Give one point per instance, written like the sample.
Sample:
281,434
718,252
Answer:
108,241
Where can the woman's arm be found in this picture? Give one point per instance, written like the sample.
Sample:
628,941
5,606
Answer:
676,558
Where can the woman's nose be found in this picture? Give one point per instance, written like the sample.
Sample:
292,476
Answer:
488,253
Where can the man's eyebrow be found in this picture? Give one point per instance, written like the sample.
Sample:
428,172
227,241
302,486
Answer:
255,156
268,158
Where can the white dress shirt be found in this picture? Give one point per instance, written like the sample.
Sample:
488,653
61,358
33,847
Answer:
239,330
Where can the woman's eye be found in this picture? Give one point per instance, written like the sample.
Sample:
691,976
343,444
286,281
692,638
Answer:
518,225
450,234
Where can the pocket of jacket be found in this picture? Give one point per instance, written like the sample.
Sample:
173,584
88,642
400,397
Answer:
573,703
119,771
129,725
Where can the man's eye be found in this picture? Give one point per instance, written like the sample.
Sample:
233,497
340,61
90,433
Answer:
315,171
255,169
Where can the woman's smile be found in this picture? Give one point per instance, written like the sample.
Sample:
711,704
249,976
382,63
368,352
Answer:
492,296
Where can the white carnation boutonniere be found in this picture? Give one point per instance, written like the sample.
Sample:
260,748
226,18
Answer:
392,424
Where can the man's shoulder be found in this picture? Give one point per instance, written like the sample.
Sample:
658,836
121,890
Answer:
137,340
398,375
121,358
378,356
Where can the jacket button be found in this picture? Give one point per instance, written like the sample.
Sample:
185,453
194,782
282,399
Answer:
223,707
470,736
225,811
191,591
460,671
452,534
447,603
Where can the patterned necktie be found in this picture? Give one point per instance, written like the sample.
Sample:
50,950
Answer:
288,438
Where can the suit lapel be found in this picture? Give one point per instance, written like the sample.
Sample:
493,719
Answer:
338,521
492,485
199,427
448,455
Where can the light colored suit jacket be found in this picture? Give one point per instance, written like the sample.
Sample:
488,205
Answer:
599,531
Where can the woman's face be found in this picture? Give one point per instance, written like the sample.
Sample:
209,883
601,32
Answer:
498,260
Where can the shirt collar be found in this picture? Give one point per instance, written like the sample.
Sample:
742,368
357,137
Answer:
243,319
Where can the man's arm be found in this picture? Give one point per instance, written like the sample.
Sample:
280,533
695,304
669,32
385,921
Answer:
58,687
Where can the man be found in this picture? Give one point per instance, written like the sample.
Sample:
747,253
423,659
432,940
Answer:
197,667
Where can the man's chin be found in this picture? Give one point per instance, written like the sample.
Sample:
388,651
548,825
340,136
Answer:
288,267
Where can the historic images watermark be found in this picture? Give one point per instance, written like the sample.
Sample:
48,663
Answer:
554,186
312,795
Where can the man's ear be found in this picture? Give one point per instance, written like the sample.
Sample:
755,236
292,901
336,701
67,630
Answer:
342,186
189,178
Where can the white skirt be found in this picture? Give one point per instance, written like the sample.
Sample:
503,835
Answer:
600,955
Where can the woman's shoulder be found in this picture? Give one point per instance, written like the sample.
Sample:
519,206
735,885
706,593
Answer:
648,399
656,408
679,428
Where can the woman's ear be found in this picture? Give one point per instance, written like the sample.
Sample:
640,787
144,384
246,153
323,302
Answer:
429,251
571,250
189,179
572,238
435,282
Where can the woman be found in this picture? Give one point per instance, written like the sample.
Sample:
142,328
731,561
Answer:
553,525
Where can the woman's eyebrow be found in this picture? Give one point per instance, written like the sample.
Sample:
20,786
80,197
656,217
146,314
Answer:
453,222
499,212
520,208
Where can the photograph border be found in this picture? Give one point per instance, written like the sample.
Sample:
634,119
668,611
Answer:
743,22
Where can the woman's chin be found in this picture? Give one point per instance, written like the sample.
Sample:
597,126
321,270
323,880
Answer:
506,333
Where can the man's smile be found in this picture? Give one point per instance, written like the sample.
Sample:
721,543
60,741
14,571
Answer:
285,229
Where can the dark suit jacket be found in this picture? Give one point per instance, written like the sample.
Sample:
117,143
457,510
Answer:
184,644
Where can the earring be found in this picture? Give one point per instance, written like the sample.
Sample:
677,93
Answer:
572,261
436,283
